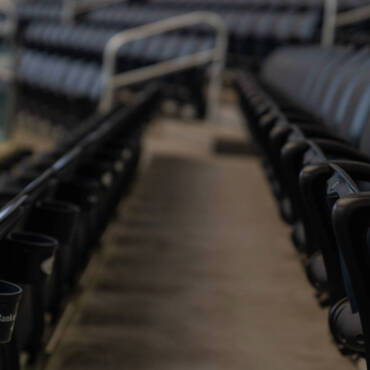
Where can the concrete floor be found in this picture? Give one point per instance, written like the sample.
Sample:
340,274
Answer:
197,272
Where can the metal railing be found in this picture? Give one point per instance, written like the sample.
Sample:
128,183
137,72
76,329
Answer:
216,56
92,134
334,19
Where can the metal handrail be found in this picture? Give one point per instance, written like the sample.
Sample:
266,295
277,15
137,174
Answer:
89,138
217,56
353,16
333,19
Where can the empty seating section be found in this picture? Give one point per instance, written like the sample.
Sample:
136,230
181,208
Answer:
62,64
273,26
308,112
89,43
306,109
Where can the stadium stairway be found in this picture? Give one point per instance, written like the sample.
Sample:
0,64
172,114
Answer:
196,272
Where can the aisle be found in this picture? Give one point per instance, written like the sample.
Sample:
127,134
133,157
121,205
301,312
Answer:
197,273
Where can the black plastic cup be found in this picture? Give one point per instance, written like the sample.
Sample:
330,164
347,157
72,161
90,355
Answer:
10,296
59,220
27,258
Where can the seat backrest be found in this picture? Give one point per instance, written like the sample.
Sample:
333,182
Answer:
301,73
341,80
331,62
333,83
343,96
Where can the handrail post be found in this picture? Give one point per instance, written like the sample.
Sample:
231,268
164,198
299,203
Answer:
217,56
68,11
329,22
216,73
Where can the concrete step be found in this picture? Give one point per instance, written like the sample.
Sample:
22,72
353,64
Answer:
197,272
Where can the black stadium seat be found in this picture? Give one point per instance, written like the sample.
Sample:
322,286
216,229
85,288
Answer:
338,179
280,26
308,113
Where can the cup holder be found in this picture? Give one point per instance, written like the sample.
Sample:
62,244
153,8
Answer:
27,257
10,296
57,219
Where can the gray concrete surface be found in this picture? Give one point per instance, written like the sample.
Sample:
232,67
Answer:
197,272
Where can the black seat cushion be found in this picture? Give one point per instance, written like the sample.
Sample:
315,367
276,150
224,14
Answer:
346,326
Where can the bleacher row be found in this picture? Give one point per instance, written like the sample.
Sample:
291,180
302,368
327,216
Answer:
89,43
262,4
275,26
279,25
60,65
309,116
55,207
226,4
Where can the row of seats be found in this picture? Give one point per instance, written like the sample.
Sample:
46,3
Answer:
308,115
55,207
60,67
217,5
90,42
235,4
341,93
56,88
272,27
60,75
39,10
65,89
279,26
280,4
